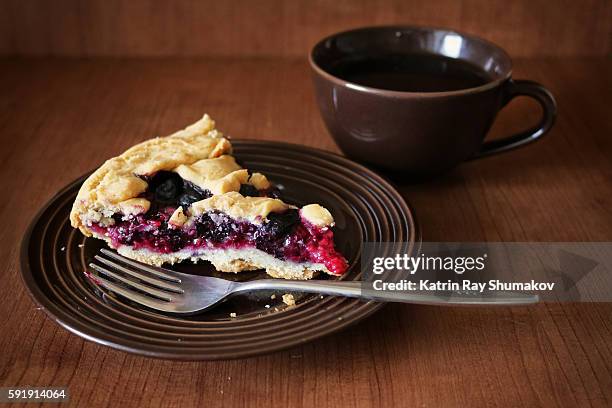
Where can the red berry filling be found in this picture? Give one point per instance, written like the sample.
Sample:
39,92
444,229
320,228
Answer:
285,235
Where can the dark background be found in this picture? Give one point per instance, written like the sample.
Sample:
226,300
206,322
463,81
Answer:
525,28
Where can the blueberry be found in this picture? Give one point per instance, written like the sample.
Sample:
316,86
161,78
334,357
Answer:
191,194
248,190
280,224
166,186
215,226
274,192
185,200
167,191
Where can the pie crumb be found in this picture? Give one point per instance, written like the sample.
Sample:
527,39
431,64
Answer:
288,299
273,297
232,314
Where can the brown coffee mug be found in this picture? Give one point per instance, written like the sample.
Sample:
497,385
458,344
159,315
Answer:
420,133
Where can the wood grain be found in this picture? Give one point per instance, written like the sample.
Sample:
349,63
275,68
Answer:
288,28
60,118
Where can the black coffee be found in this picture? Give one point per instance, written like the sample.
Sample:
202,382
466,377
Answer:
410,72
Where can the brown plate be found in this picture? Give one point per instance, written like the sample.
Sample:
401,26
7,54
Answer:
365,207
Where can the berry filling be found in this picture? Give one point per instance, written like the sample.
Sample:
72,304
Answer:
168,189
285,236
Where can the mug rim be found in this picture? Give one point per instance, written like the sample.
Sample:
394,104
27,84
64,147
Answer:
403,94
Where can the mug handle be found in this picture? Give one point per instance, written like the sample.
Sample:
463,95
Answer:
513,89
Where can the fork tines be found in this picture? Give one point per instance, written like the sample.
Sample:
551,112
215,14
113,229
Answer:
138,282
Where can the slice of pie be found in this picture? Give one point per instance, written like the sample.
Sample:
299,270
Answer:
184,196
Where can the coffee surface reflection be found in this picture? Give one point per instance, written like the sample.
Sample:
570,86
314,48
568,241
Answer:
410,72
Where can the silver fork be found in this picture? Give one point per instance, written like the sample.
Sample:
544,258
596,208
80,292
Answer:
174,292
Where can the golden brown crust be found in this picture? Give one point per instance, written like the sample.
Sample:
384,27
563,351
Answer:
118,180
134,206
259,181
178,218
288,299
317,215
218,175
199,154
254,209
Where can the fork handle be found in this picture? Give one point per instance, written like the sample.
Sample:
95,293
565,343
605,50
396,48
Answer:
354,289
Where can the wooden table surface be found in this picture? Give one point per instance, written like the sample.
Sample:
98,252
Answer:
60,118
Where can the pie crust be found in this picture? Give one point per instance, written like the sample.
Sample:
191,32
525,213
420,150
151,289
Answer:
200,156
